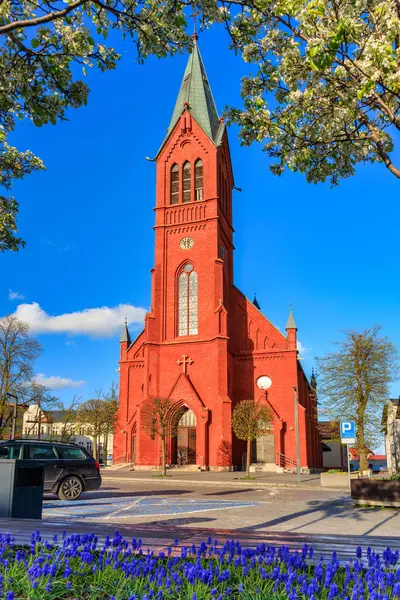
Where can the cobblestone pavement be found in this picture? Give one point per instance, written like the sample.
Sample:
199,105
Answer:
309,511
158,514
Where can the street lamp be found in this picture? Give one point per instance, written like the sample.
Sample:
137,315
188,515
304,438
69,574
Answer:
296,425
264,383
14,418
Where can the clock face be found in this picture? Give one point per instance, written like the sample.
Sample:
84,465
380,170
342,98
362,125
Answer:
186,243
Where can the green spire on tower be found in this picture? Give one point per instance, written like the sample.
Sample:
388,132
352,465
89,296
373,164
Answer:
195,94
125,337
291,323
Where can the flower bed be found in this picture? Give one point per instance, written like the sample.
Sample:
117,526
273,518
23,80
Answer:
77,566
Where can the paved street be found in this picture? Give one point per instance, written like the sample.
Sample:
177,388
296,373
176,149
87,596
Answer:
159,512
180,504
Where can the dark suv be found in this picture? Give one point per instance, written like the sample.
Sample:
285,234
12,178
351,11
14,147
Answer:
69,469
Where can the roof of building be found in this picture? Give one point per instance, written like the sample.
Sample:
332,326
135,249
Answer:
291,323
56,416
370,455
377,457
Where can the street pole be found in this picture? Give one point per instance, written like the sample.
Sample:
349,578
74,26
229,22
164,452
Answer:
14,417
348,463
296,425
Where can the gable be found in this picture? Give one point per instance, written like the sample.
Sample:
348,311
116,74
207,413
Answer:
252,330
136,349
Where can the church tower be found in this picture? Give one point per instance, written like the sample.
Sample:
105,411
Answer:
193,247
204,344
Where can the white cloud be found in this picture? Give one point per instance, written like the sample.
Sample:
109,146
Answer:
55,382
103,321
302,349
15,295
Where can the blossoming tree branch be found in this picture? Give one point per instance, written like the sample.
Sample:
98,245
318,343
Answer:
324,96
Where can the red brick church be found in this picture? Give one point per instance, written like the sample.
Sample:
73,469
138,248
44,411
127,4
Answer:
204,344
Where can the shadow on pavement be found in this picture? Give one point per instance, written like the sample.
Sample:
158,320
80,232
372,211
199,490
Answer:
329,510
227,492
118,494
180,522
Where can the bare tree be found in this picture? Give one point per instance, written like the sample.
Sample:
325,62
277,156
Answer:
91,413
18,353
354,382
156,420
69,418
250,420
110,407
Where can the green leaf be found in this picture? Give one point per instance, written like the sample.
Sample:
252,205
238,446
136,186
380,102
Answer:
35,43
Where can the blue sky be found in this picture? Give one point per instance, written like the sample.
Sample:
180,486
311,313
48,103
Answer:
88,224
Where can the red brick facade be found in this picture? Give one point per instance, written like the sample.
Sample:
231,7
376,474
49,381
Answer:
234,344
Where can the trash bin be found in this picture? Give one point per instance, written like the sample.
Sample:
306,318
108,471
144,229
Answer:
21,489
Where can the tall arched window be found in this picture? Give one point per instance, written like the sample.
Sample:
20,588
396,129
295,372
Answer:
188,301
174,198
198,174
186,182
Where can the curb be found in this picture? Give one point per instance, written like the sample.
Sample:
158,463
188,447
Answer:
238,484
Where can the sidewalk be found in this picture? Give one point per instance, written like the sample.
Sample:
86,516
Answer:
230,478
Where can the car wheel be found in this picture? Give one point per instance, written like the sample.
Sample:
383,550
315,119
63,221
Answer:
70,489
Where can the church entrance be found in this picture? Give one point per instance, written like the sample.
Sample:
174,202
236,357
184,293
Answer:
265,449
184,445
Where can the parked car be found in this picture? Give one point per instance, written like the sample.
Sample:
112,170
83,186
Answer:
69,469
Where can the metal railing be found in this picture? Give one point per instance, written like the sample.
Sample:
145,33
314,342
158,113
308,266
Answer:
287,463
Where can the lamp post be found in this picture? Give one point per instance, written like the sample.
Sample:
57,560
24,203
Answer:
14,417
296,426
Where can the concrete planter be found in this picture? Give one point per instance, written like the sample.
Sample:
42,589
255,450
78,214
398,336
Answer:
376,492
335,480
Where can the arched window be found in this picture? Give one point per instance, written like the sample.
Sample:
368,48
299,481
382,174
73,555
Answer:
198,174
186,182
174,198
188,301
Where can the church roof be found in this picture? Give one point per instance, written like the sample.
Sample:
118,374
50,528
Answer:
195,92
291,323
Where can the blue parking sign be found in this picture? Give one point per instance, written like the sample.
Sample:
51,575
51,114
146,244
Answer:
347,429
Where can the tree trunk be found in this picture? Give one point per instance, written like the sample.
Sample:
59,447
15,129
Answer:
95,446
163,461
105,448
248,458
362,450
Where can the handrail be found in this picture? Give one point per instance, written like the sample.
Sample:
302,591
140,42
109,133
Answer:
286,462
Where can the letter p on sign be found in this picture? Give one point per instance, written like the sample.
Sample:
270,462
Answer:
347,429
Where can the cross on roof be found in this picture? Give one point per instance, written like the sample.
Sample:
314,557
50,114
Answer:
185,361
194,16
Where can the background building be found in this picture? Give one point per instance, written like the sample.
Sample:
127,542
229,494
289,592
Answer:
61,425
391,429
333,451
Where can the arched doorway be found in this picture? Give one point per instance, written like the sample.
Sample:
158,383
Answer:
184,445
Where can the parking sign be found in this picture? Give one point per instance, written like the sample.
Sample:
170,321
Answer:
348,432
